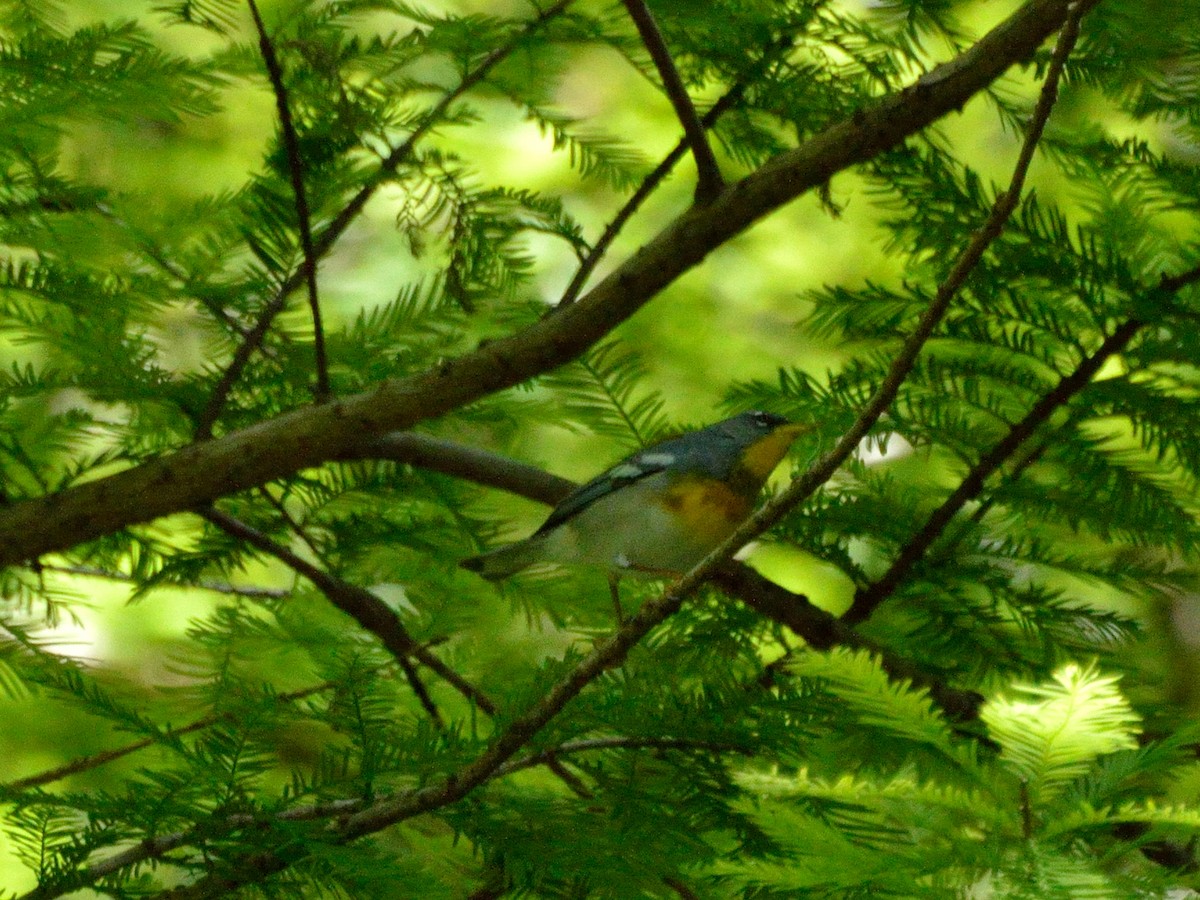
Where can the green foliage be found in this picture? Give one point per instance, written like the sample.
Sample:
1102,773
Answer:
460,161
1018,823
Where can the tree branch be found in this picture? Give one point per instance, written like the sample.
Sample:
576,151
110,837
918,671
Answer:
479,466
709,180
410,672
360,604
198,474
589,745
869,599
291,146
413,677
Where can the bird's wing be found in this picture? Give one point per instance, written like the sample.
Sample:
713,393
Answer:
635,468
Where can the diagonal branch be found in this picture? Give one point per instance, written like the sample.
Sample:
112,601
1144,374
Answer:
709,181
360,604
291,146
411,675
324,242
197,474
470,463
869,599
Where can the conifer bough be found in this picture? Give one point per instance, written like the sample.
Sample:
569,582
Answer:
197,474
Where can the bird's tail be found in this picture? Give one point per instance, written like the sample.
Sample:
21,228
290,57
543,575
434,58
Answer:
504,561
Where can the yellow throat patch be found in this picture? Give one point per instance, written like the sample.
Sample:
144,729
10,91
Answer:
761,457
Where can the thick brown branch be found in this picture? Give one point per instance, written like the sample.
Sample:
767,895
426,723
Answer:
709,181
291,145
200,473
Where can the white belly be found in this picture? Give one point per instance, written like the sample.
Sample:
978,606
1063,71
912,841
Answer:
650,539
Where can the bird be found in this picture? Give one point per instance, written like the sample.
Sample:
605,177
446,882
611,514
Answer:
659,511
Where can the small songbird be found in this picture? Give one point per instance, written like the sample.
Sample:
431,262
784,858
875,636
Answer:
661,510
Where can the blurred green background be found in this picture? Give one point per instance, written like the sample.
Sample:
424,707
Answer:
737,316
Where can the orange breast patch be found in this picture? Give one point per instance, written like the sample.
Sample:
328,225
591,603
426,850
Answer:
710,509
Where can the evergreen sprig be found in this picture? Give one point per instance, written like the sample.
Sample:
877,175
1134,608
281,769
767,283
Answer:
314,700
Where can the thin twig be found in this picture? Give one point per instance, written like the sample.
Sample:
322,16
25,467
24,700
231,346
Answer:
413,677
573,782
682,890
410,672
214,586
337,226
649,184
155,255
291,145
709,181
96,760
295,527
616,742
360,604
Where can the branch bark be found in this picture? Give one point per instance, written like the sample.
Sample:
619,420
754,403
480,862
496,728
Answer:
197,474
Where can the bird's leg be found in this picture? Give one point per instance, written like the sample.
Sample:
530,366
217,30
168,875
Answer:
614,581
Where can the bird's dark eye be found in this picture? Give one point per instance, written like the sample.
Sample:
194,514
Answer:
767,420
